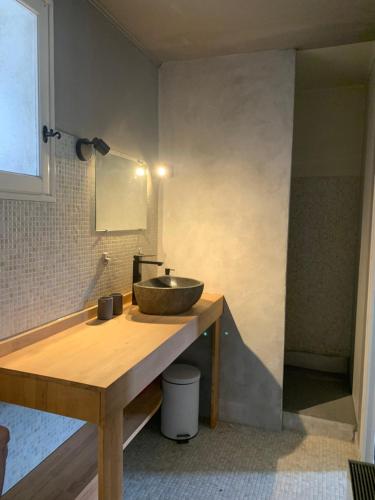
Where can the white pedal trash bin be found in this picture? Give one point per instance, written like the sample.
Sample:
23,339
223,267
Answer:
180,407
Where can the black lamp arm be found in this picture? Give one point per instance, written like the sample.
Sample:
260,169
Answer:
50,133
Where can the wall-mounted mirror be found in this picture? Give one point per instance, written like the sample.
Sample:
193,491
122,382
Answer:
121,193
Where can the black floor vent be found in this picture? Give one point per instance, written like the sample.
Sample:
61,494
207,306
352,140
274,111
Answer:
362,477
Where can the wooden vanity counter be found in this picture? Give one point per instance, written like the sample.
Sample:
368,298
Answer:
92,370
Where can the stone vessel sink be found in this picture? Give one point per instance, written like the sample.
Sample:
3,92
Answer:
167,295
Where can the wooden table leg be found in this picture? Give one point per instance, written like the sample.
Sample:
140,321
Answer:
110,458
215,373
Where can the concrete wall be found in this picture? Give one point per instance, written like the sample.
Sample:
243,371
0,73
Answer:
226,126
363,300
104,86
50,255
325,213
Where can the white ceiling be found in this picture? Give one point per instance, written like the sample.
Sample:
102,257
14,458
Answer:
334,66
186,29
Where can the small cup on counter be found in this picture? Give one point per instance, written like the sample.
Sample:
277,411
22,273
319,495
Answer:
118,301
105,307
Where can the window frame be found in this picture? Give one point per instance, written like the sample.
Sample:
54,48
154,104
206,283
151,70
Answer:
30,187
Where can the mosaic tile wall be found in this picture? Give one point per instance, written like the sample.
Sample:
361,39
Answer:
322,264
50,254
50,266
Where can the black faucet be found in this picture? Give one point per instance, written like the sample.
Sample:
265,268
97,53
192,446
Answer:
137,275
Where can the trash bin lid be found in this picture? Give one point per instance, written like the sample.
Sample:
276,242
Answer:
179,373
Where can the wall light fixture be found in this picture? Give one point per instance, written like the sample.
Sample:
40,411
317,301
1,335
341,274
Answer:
140,171
84,148
163,171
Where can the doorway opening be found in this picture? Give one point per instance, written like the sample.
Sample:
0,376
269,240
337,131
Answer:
321,380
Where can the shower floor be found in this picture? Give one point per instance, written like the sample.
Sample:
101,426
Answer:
318,394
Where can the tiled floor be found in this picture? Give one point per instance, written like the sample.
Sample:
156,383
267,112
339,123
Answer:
237,462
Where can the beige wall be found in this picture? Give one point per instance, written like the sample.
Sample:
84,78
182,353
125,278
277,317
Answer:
226,126
363,278
328,131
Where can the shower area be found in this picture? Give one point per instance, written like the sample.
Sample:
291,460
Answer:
324,238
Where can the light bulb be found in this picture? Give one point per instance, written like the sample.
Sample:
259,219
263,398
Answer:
162,171
140,171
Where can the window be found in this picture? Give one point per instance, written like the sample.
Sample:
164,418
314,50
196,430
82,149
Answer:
26,99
